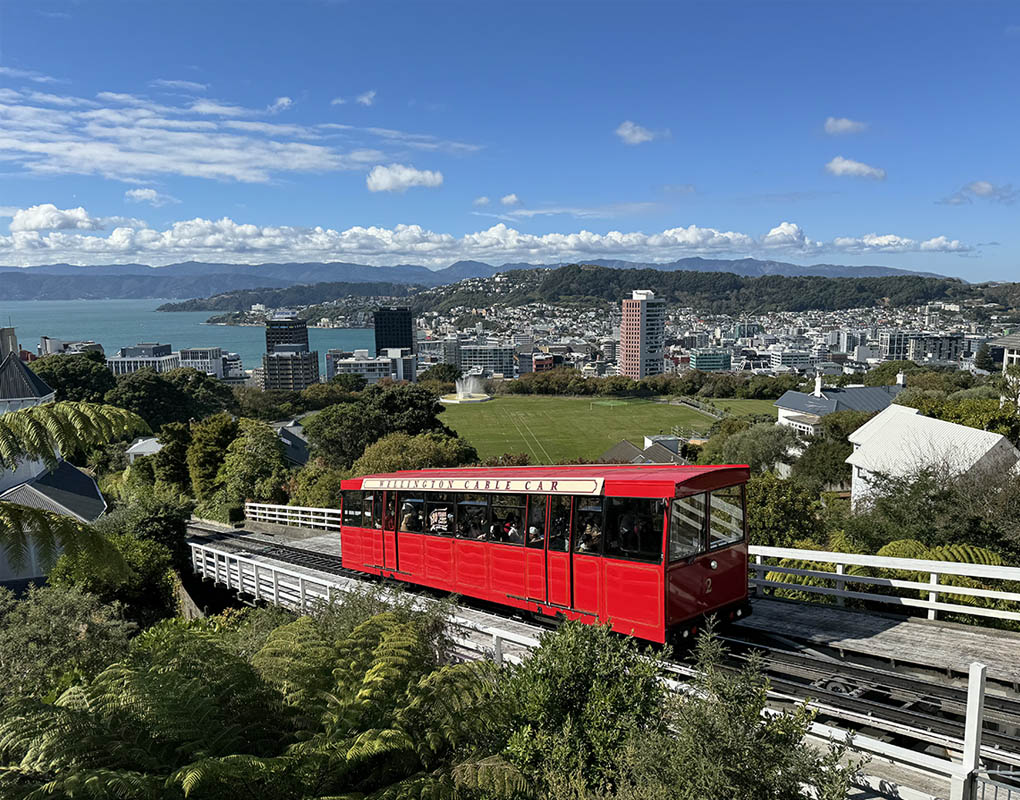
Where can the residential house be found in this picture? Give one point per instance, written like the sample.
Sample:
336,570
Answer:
804,412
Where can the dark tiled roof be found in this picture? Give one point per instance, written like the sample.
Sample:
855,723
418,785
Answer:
18,382
851,398
659,454
621,452
67,490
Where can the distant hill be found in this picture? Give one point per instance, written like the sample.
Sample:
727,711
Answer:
197,279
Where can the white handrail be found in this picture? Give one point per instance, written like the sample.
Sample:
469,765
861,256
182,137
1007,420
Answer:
300,591
933,596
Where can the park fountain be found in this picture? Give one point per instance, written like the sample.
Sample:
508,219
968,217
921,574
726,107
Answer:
469,390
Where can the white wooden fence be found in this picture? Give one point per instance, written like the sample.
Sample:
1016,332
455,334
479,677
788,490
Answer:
826,574
322,519
300,592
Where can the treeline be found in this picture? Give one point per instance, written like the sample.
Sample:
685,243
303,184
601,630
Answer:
714,292
304,295
567,381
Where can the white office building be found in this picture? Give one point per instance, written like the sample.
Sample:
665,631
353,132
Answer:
152,355
494,359
399,364
205,359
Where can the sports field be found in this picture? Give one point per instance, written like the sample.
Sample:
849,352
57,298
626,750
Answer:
743,407
555,429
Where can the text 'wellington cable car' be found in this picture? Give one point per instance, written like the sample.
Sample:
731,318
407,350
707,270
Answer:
649,549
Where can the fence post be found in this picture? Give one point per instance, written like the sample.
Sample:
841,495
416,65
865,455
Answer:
964,787
758,575
840,585
497,649
933,596
276,587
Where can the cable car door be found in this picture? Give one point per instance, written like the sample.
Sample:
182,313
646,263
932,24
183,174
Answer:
390,531
534,554
557,554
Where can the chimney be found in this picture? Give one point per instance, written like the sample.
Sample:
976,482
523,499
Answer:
818,385
901,378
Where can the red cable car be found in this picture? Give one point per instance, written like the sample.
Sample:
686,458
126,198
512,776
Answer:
649,549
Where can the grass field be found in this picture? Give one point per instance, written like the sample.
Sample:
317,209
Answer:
742,407
554,429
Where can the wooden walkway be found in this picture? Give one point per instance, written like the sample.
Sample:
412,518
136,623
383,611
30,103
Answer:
932,645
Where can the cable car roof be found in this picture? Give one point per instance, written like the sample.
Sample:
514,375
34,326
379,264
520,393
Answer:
613,480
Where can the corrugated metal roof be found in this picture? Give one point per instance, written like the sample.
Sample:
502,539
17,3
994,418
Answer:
18,382
850,398
1012,341
67,490
900,440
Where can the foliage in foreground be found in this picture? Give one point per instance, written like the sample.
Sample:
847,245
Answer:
48,634
361,700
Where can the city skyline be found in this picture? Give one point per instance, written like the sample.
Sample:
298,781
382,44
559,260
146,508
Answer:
642,132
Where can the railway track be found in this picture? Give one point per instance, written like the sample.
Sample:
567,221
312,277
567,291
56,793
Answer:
900,709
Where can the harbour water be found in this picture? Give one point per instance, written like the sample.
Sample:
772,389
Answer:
120,323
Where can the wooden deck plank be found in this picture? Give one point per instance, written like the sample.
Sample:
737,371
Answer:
940,645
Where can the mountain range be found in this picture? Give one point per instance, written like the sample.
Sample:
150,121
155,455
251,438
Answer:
197,279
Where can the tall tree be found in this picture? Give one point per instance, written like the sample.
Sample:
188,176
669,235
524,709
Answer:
210,439
206,394
339,434
399,451
254,467
82,377
170,464
152,397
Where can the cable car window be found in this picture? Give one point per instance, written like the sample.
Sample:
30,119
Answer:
352,502
536,521
390,515
377,510
687,518
412,512
726,520
559,523
439,514
589,522
507,518
634,528
472,516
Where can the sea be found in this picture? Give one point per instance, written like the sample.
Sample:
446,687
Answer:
122,323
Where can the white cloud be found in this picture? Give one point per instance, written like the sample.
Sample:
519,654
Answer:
510,199
54,235
183,86
399,178
843,167
840,126
219,109
8,211
134,139
279,104
150,196
481,201
632,133
984,190
366,98
338,101
28,75
47,217
581,212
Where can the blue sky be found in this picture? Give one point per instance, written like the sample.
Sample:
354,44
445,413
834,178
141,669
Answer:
426,132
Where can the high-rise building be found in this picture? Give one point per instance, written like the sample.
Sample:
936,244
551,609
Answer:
642,334
288,364
290,369
895,344
394,327
285,330
144,355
